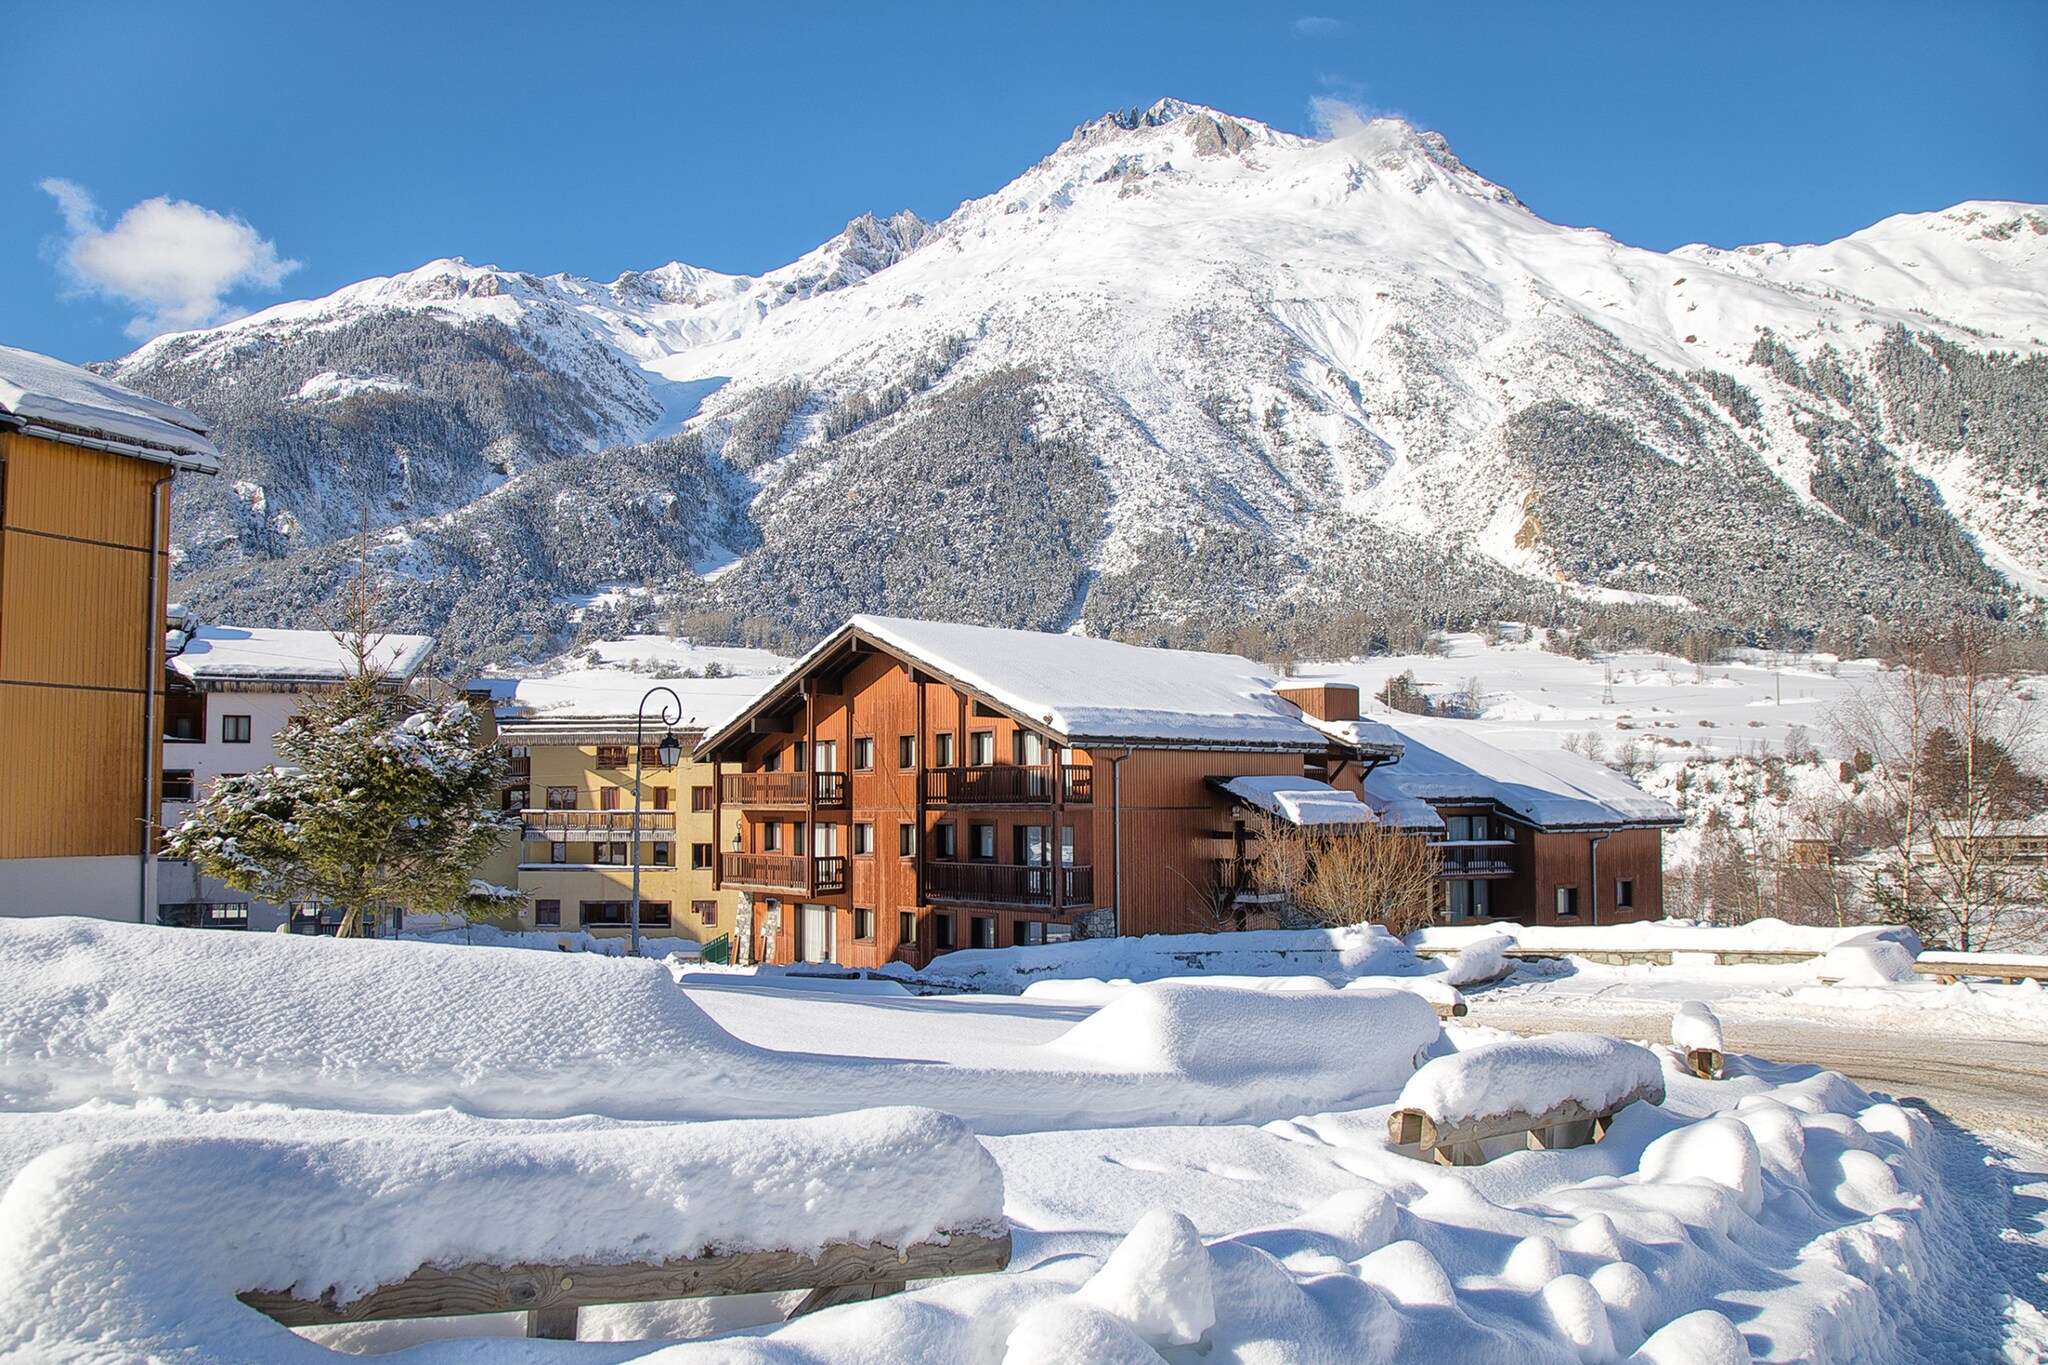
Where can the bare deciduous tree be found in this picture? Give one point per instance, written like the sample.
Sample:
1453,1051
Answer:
1349,874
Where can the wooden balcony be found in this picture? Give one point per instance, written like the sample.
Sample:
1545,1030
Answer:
1008,884
1009,784
519,765
598,826
1475,868
782,791
788,873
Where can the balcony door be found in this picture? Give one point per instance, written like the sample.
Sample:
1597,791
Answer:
826,754
1034,853
814,934
825,839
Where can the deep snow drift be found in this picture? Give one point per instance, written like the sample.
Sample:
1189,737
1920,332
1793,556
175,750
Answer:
1781,1213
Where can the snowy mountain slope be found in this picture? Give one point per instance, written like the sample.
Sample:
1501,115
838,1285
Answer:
1189,371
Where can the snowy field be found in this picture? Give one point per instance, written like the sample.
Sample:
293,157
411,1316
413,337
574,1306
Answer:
1190,1151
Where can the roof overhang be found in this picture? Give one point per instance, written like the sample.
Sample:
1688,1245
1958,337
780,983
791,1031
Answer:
183,461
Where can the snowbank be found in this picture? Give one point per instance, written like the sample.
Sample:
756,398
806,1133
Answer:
96,1009
1364,1040
1530,1075
1667,936
137,1249
1875,963
1483,959
1365,950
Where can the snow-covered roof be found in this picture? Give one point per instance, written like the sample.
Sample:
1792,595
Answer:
258,654
605,698
2033,827
61,402
1087,691
1548,788
1301,801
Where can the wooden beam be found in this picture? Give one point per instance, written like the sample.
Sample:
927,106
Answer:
1568,1124
432,1291
768,725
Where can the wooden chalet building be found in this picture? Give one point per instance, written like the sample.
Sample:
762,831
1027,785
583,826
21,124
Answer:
85,474
1537,836
912,787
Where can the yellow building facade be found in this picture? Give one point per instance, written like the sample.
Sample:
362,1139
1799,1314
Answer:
571,780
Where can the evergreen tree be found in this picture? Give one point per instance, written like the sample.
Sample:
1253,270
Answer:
376,801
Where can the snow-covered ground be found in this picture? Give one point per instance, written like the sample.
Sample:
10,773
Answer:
1191,1170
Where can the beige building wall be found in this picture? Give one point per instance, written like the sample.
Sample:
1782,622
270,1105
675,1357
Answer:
588,892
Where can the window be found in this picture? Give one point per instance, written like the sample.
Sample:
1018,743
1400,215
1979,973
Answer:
863,925
863,839
599,914
1567,901
1467,899
705,910
234,729
662,854
611,755
700,857
547,914
561,798
906,751
613,854
799,757
942,749
664,797
655,914
1029,748
906,841
981,843
515,798
177,784
944,845
942,929
608,798
906,926
1624,894
981,748
771,762
1025,933
771,836
863,753
982,931
650,756
700,799
558,853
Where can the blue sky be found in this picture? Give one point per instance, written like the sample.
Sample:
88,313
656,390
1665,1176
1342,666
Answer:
170,163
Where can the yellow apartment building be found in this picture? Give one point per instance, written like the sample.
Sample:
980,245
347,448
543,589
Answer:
571,773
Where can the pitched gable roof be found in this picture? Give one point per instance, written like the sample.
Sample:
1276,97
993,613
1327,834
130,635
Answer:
1080,690
1548,788
59,402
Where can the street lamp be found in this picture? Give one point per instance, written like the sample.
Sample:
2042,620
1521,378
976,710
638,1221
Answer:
670,753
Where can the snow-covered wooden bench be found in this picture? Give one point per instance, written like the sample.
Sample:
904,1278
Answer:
1561,1090
2011,968
551,1295
1696,1032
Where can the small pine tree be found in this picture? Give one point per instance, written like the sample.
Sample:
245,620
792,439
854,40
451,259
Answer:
376,800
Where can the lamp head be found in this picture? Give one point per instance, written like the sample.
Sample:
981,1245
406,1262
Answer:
671,750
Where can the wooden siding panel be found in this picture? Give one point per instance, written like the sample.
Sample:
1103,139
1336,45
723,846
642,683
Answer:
73,762
69,491
75,616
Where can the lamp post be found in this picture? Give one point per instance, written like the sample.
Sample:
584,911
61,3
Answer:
671,754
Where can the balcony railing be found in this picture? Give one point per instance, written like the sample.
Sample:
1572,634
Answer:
782,791
597,825
789,872
1472,868
1009,784
519,765
1008,884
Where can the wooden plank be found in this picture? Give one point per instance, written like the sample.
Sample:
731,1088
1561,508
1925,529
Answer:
1706,1063
833,1296
435,1291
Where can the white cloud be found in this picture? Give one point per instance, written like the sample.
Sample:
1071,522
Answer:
172,259
1318,25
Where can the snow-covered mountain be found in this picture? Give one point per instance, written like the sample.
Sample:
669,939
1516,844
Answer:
1185,373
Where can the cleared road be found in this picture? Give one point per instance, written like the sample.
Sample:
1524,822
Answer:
1998,1084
